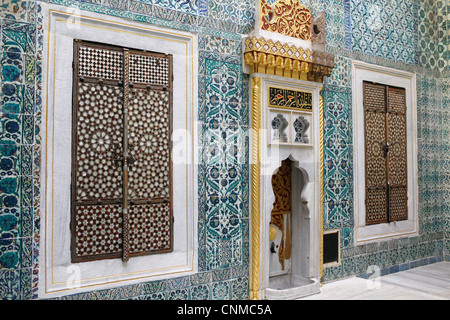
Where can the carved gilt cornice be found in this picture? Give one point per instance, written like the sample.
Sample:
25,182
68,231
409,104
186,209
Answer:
275,58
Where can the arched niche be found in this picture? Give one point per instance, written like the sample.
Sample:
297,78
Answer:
289,240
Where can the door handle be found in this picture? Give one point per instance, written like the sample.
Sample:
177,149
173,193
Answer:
272,247
385,147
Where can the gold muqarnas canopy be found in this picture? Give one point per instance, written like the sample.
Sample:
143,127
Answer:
289,18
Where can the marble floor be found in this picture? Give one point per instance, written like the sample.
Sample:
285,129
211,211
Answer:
430,282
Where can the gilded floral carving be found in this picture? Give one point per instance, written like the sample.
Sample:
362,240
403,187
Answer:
287,17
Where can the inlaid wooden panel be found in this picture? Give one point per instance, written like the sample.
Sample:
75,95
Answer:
375,140
98,133
150,228
396,100
101,62
376,205
374,97
375,137
97,231
149,69
397,159
398,203
385,153
150,140
121,168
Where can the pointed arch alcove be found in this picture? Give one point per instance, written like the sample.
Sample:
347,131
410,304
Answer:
289,234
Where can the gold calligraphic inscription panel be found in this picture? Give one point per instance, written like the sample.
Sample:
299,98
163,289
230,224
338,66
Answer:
292,99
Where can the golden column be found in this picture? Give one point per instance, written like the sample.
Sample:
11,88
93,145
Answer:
321,178
255,173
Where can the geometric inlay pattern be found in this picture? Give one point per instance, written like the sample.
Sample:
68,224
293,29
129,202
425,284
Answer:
397,149
98,230
150,227
386,157
100,63
149,136
149,70
396,100
99,129
397,203
375,139
374,97
376,205
397,160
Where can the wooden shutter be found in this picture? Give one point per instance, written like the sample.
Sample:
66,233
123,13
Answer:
149,138
385,153
397,160
121,163
376,166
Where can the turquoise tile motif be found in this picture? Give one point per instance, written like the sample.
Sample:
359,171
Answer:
337,155
341,74
385,29
187,6
18,37
19,123
14,9
12,67
224,155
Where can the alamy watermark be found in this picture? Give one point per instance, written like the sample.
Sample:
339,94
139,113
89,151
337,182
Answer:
74,278
374,277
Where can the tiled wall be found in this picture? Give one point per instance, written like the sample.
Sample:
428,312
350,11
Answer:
404,34
20,110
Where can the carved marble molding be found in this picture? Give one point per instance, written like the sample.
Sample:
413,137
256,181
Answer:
318,29
291,61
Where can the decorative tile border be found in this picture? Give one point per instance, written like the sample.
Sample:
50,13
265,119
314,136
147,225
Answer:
223,215
182,15
337,154
20,83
